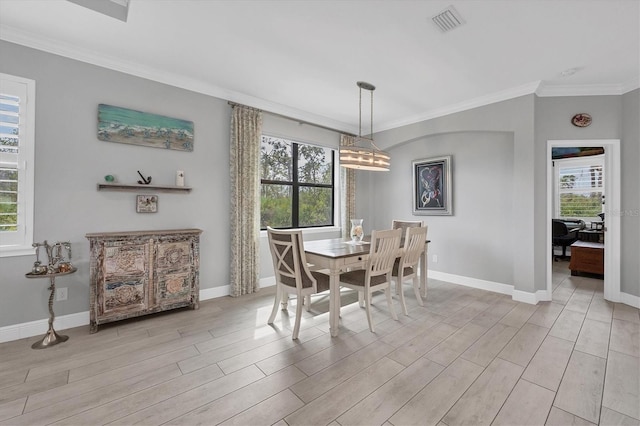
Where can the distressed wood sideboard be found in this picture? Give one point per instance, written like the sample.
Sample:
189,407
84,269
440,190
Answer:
142,272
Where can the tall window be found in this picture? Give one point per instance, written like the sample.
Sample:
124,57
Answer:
297,188
580,187
17,143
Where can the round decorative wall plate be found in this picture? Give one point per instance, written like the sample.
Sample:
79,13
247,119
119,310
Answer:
581,120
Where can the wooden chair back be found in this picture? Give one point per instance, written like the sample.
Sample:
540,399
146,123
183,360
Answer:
404,224
289,262
385,248
414,241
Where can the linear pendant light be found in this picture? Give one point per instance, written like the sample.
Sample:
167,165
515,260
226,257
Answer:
363,154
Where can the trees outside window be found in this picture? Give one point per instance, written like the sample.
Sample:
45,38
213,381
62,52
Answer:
297,184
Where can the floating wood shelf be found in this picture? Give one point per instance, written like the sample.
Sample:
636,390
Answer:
138,187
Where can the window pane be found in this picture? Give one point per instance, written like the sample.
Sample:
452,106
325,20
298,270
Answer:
8,199
9,122
578,205
275,206
9,144
276,161
581,177
314,164
315,206
289,173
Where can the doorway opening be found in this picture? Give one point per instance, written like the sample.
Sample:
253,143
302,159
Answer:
611,190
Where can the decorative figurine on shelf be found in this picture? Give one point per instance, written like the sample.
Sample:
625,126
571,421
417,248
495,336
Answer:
56,261
179,178
109,179
144,181
38,267
64,267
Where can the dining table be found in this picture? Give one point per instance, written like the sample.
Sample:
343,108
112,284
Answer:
338,255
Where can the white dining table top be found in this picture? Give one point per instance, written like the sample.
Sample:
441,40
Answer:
339,247
336,247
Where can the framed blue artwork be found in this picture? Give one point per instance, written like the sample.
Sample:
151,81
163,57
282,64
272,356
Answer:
124,125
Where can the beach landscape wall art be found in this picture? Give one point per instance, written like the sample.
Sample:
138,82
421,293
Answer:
124,125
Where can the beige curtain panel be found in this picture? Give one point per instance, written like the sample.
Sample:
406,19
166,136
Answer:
246,130
347,191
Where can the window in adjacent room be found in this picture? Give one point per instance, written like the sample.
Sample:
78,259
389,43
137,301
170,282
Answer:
579,187
297,184
17,146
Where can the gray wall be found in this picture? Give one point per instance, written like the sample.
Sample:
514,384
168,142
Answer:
630,203
70,161
478,240
514,117
532,121
614,117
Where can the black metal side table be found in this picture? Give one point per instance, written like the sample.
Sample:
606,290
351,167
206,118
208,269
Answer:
51,338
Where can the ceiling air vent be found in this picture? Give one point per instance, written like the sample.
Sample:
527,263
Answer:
448,19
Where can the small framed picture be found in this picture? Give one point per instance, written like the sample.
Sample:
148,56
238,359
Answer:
147,204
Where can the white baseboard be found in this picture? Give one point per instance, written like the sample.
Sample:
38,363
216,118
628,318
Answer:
267,282
531,298
38,327
472,282
214,292
517,295
225,290
62,322
543,296
630,299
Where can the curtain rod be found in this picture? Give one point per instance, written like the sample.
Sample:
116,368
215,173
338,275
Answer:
293,119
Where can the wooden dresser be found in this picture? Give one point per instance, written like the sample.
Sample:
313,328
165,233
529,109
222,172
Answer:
142,272
587,257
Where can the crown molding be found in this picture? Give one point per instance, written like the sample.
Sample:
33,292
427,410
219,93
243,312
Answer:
503,95
14,35
547,90
35,41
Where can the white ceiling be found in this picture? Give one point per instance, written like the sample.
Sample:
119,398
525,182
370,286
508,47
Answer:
302,58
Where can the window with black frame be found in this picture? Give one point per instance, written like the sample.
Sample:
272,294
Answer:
297,184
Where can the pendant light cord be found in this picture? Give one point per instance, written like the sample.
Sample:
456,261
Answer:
360,113
371,133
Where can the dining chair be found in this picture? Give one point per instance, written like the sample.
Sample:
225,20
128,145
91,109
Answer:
376,274
292,272
404,224
407,265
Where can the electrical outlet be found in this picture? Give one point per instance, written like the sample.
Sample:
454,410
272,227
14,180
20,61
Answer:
61,293
434,258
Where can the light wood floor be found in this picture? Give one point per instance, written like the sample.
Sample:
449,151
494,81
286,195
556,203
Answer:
467,357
